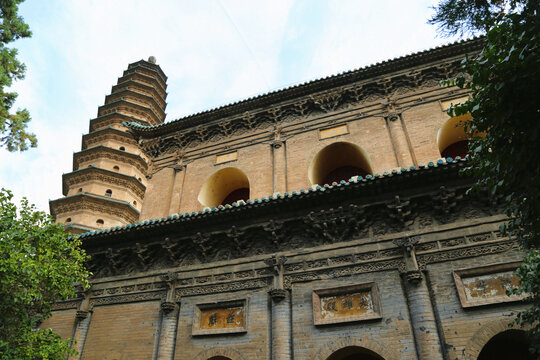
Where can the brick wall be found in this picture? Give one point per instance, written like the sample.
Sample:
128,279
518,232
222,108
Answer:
61,322
119,332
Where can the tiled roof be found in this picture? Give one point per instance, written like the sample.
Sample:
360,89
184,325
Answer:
437,53
359,181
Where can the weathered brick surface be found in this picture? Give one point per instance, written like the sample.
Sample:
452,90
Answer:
461,325
158,195
423,123
281,329
61,322
167,334
119,332
311,341
251,345
254,161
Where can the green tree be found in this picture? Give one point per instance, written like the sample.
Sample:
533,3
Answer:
13,134
504,80
39,264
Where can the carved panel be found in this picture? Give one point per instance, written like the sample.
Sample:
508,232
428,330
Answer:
220,318
332,132
345,304
487,284
220,159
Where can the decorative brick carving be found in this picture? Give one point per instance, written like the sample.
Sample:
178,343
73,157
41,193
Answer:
346,304
487,284
229,317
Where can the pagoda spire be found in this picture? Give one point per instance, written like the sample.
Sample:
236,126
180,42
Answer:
107,185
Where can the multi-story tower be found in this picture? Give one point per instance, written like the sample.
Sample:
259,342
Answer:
108,182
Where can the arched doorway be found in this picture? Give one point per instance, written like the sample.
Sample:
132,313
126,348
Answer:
452,139
224,187
354,353
339,161
509,344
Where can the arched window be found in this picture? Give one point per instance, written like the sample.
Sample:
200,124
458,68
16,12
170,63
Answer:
100,222
134,203
452,139
339,161
122,148
219,358
224,187
509,344
68,220
116,168
80,190
354,353
108,193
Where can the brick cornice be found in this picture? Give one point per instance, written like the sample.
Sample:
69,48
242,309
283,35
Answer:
101,152
96,204
429,57
103,176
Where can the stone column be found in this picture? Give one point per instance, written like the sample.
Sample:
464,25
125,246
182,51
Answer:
169,321
423,323
281,311
399,140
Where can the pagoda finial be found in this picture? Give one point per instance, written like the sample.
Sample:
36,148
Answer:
152,59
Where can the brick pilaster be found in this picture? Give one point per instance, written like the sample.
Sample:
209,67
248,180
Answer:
281,324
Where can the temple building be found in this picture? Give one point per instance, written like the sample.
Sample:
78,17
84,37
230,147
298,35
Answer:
324,221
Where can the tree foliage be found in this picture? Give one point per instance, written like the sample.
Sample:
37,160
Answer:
39,264
13,134
504,80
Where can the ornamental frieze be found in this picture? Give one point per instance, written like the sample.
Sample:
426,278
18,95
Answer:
119,180
225,281
112,154
322,103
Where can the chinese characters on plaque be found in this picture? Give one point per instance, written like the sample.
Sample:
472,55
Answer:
220,318
347,303
487,285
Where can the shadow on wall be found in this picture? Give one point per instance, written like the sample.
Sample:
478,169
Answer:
510,344
224,187
452,139
339,161
354,353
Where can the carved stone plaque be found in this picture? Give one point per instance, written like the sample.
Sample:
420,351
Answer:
344,304
486,285
220,159
220,318
335,131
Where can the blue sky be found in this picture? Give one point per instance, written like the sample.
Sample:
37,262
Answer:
213,51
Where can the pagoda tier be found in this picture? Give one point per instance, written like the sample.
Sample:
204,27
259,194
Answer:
110,137
108,182
142,88
133,109
104,182
90,211
109,158
142,79
113,120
